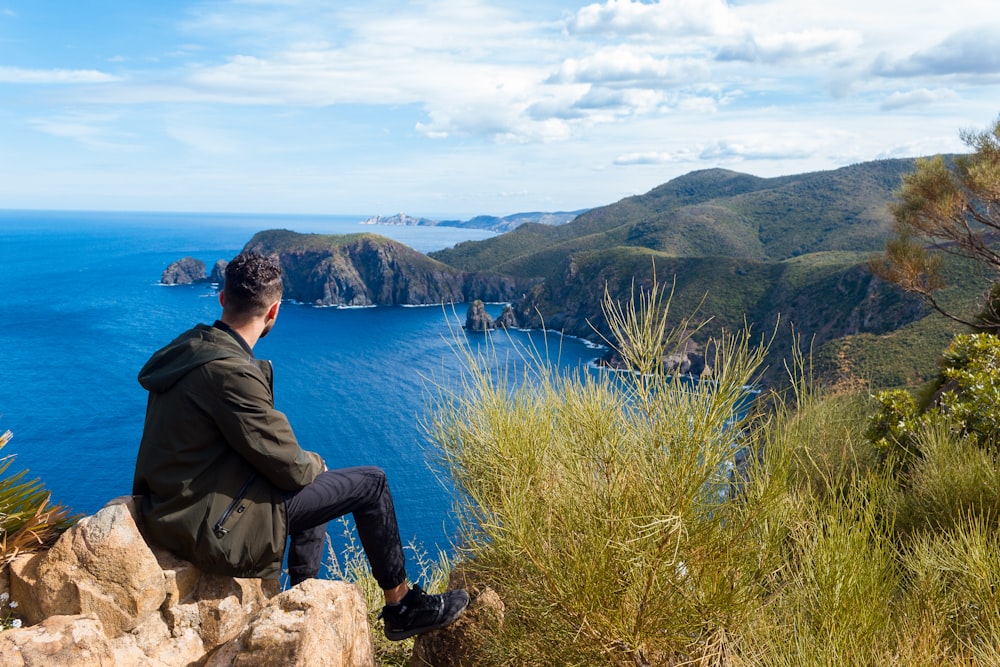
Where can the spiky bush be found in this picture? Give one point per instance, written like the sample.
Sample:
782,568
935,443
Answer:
595,504
600,509
28,521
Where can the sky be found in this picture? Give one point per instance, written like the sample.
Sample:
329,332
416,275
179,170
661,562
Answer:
457,108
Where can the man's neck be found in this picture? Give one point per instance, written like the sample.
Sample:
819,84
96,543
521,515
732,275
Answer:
246,335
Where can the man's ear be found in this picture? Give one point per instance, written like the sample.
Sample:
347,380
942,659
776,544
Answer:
222,298
272,312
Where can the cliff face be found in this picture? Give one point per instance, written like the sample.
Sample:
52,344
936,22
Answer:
366,269
820,298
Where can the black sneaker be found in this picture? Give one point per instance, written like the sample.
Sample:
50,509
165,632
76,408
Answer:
420,612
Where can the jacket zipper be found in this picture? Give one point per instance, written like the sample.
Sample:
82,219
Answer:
219,531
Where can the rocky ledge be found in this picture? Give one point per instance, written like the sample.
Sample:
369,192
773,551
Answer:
687,360
101,596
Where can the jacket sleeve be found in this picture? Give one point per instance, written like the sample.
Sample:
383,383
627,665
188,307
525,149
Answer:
262,435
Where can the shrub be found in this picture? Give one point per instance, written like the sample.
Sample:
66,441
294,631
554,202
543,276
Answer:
599,508
967,399
593,504
970,394
27,521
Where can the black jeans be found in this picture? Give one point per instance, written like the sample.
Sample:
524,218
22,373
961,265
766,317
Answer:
363,492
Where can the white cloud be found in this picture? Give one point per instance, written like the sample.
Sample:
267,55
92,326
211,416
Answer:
623,64
649,157
96,131
53,76
916,98
761,147
783,47
203,140
661,18
973,51
545,96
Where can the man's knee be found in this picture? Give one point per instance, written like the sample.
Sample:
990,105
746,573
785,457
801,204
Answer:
374,477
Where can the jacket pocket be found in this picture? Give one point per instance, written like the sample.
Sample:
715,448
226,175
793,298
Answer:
234,511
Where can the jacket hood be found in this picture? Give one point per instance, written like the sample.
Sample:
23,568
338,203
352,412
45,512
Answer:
190,350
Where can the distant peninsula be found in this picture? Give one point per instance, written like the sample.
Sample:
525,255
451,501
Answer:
488,222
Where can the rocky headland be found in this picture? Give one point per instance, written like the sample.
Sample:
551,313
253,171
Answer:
371,270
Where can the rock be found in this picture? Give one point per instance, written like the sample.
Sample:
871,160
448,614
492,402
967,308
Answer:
58,641
100,566
507,319
685,361
102,596
367,269
477,319
184,272
457,645
151,643
219,272
226,604
315,624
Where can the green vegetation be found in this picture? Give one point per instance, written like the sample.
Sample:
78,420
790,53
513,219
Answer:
791,252
606,513
949,209
715,213
27,521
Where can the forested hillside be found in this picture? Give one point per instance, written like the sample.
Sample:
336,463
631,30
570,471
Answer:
786,254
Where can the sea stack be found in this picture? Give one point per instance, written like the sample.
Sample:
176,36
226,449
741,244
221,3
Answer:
477,319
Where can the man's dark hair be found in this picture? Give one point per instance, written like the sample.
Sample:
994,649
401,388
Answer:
253,282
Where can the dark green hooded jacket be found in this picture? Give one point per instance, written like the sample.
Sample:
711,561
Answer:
216,459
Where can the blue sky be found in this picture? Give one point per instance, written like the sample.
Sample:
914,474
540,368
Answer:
465,107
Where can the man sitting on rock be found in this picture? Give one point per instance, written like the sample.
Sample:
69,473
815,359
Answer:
223,480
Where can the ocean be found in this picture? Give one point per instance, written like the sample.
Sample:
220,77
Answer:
84,310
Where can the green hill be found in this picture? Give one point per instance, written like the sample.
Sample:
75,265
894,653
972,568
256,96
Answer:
786,254
714,212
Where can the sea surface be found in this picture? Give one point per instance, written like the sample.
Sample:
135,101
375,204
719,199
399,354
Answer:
83,310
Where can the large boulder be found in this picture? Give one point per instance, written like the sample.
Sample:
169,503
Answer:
315,624
102,596
100,566
59,641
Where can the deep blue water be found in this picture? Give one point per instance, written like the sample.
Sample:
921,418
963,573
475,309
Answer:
83,310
